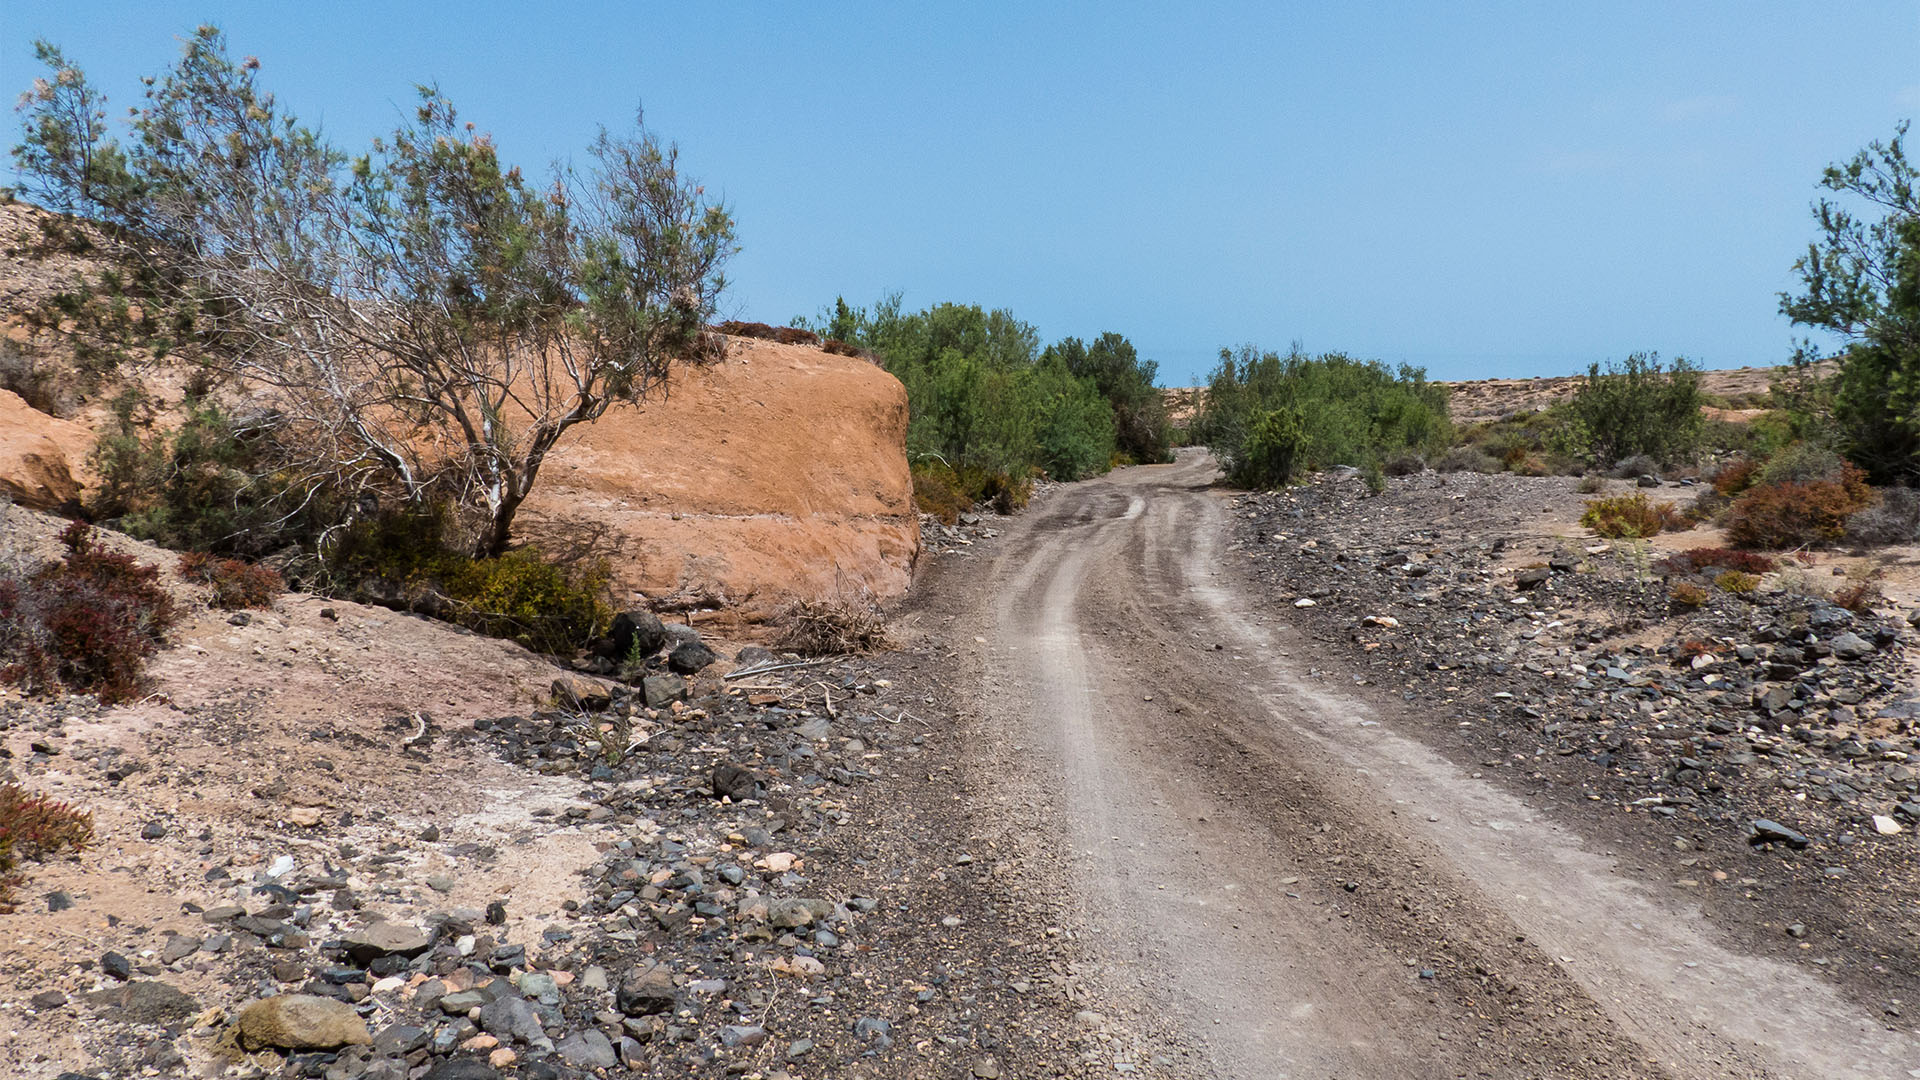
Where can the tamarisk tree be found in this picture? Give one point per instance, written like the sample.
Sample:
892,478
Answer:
421,320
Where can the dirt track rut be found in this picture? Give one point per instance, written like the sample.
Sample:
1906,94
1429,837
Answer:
1280,883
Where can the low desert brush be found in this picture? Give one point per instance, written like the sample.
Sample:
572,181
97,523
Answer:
1794,513
34,827
831,627
1696,559
1631,517
235,584
1687,595
85,623
1737,583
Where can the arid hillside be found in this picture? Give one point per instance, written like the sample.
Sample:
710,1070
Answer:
1476,400
776,473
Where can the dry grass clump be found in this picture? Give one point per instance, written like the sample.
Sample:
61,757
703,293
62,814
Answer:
831,628
33,827
785,335
1687,595
1631,517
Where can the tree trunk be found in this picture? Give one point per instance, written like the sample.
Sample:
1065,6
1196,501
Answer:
492,541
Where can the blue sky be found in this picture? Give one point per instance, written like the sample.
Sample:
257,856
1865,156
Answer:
1481,189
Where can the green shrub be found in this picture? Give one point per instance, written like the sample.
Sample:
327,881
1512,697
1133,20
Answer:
1590,484
1466,459
86,623
1271,452
1802,463
1638,407
1630,517
1736,582
1794,514
208,485
408,560
1339,411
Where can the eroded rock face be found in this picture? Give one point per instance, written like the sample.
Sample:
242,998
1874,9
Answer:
42,458
776,473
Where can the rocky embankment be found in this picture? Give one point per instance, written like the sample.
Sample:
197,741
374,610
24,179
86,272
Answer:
1759,748
338,842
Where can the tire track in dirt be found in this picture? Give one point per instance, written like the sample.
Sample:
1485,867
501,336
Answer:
1273,872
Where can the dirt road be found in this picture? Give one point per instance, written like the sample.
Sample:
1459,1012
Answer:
1277,879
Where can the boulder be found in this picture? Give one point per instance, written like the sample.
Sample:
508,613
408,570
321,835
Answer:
646,991
1851,646
42,458
663,690
636,632
302,1022
381,938
689,657
580,692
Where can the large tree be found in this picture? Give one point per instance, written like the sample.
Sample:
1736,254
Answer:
423,321
1861,280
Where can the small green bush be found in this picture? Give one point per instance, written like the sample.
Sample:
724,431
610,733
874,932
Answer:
1802,463
1590,484
1638,407
1271,452
1736,582
406,560
1466,459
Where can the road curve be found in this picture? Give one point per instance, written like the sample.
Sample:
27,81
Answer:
1267,862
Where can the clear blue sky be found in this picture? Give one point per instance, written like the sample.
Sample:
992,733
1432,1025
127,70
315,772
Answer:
1482,189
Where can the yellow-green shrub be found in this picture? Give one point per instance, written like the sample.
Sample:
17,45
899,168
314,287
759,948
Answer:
1630,517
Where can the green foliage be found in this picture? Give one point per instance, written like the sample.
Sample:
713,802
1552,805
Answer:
1861,280
1271,453
1270,417
206,485
1638,407
431,321
409,560
1737,582
1141,430
983,395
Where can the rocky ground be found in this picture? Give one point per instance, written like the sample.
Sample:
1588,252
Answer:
1756,752
340,842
